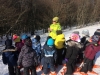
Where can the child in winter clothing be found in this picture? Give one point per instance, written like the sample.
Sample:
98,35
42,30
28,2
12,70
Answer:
9,57
36,45
90,52
59,45
27,58
18,46
73,49
49,55
84,40
85,37
23,37
97,32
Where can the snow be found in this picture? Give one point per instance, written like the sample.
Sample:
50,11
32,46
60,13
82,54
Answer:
67,32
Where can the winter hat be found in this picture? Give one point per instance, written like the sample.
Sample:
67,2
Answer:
50,42
17,39
95,38
24,36
75,37
55,19
85,32
97,32
59,32
28,42
15,36
8,42
76,32
37,37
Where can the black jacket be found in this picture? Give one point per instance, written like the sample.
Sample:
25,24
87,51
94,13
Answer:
73,49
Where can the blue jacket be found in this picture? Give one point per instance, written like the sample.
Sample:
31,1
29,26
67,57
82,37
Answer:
9,56
49,54
36,45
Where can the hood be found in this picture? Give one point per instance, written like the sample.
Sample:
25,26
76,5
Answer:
73,43
48,48
28,42
8,43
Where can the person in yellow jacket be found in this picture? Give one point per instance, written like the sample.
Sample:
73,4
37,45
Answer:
60,46
54,27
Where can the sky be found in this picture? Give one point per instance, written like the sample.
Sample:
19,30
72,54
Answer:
66,32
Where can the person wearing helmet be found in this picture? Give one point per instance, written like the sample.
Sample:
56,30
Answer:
36,45
85,37
23,37
97,32
54,27
73,49
18,45
90,51
50,55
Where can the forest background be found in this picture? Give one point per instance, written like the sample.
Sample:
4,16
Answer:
18,16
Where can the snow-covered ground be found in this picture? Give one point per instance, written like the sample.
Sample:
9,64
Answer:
67,32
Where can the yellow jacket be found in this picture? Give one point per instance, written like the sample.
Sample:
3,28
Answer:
59,41
54,28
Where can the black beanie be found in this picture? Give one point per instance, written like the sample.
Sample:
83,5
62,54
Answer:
59,32
97,32
37,37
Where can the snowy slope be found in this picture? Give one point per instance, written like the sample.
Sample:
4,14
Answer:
67,32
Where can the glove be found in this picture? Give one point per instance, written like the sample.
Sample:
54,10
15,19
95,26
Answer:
66,60
19,67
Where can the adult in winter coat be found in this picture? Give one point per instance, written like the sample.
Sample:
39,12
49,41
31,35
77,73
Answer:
89,54
9,57
59,45
27,58
73,49
50,56
54,27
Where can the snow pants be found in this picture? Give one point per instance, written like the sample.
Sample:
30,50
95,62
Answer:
31,68
70,66
88,65
47,64
11,70
59,56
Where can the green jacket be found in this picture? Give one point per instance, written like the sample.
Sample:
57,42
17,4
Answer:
54,28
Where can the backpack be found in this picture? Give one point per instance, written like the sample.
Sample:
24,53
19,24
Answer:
90,51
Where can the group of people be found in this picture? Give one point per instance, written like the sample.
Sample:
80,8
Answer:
29,54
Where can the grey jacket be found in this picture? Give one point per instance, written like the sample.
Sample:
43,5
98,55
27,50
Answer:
26,56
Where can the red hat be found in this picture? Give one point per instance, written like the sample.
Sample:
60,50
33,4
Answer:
15,36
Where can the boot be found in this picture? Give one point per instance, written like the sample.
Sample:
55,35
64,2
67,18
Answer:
62,73
44,74
41,67
53,73
92,72
83,73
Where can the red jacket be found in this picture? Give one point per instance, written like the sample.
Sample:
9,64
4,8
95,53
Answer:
91,50
19,45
